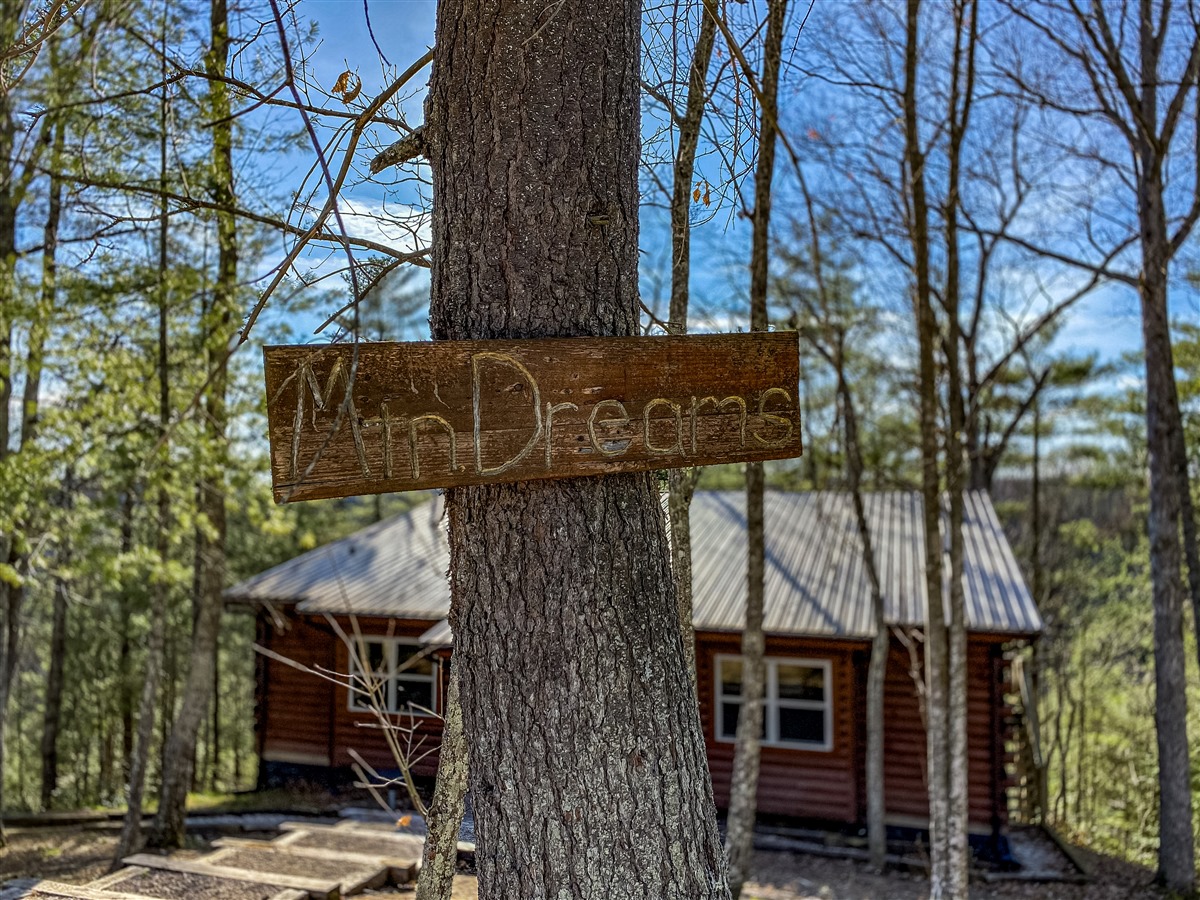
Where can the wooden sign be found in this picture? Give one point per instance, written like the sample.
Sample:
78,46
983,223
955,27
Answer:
349,419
